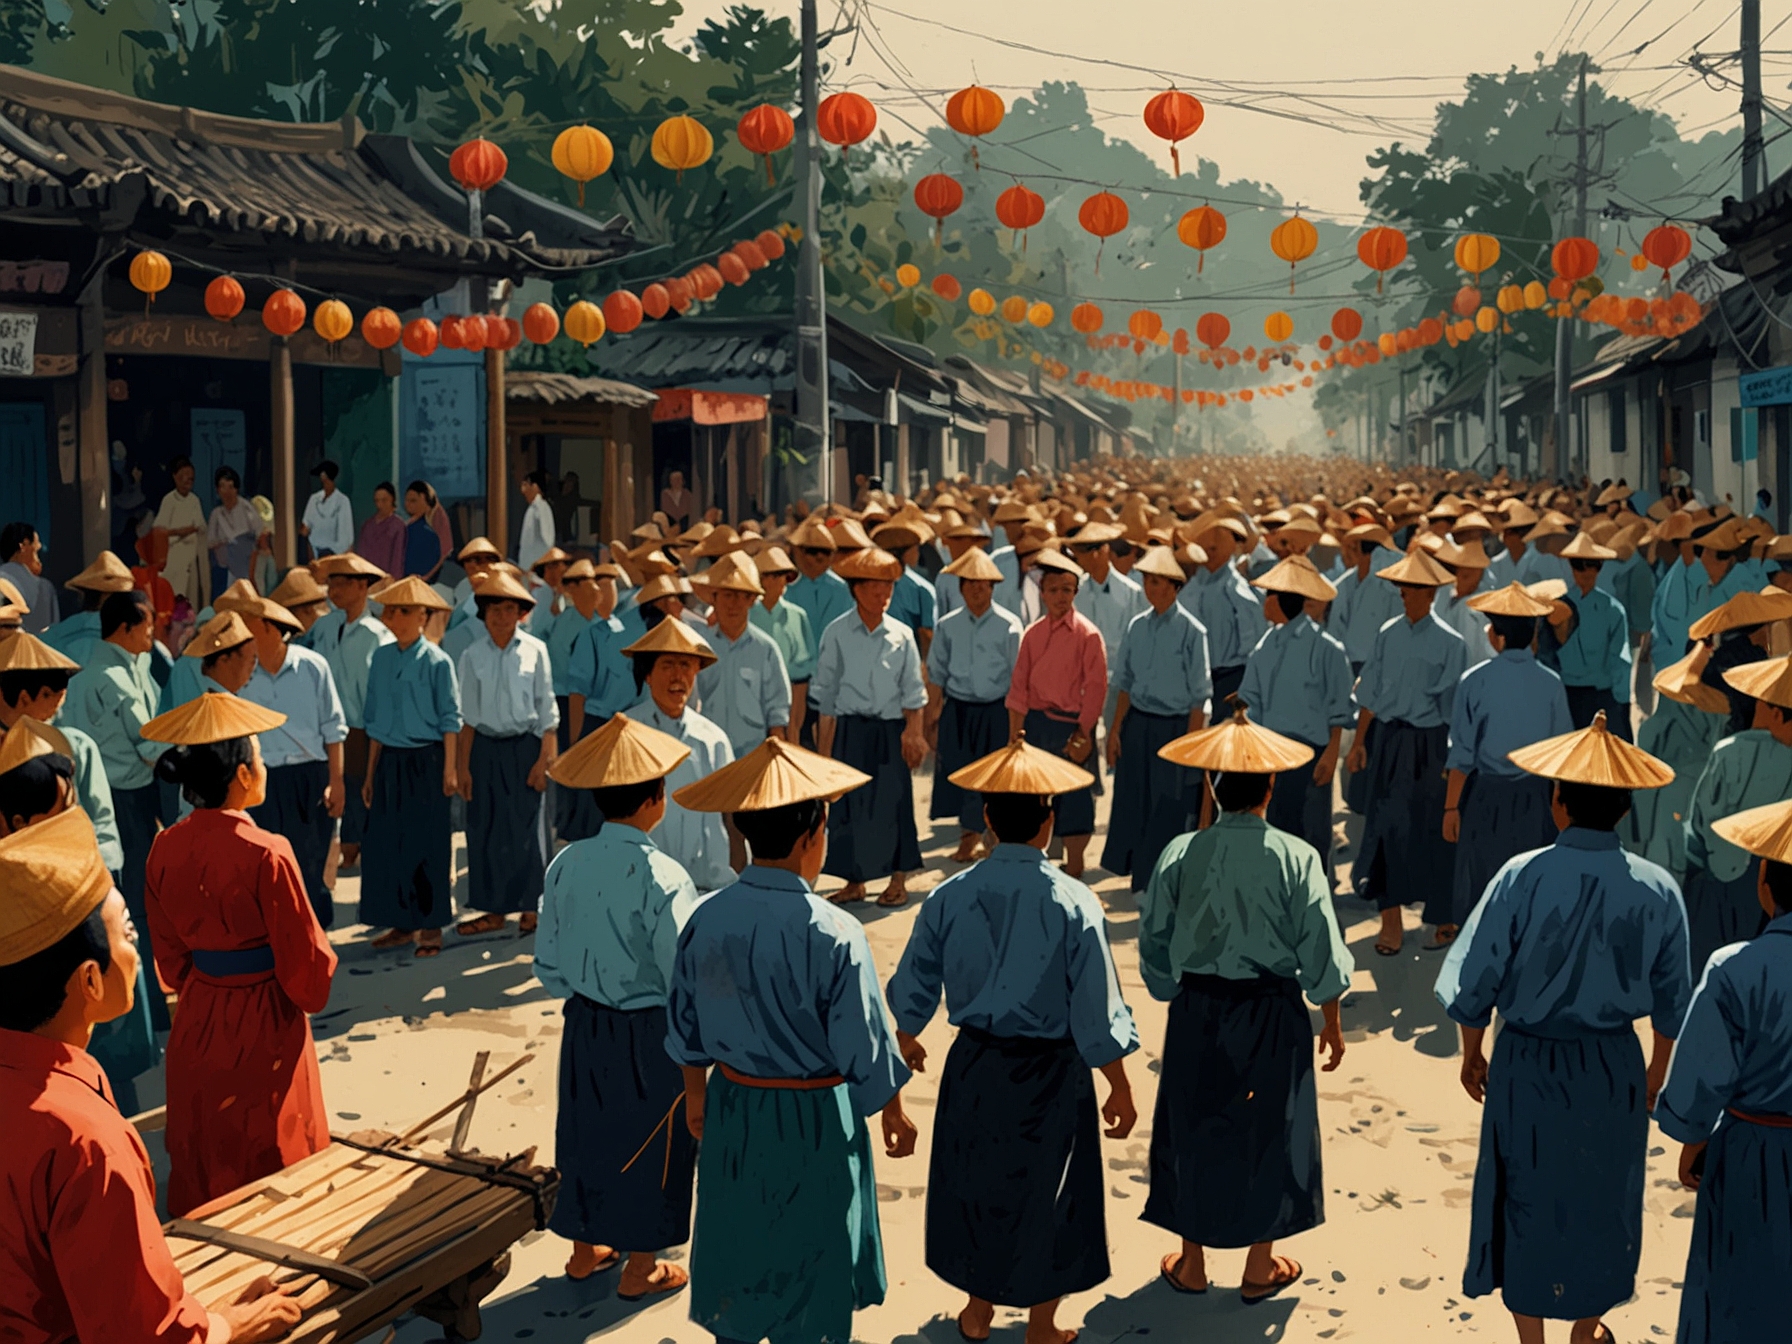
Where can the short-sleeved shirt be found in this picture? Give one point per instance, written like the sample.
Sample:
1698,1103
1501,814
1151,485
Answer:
413,696
1412,672
1228,611
1506,703
746,691
304,691
972,657
1161,663
1297,682
508,692
788,625
873,673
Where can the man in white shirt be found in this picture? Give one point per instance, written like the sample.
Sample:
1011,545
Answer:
329,522
538,521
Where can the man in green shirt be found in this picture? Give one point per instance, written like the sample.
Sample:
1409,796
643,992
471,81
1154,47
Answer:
1234,925
788,625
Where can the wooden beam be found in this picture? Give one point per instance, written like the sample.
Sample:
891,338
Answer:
93,454
281,435
497,456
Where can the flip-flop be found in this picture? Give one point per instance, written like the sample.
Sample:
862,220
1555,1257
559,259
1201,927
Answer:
841,898
1270,1289
677,1277
893,900
427,950
614,1259
1168,1276
1382,949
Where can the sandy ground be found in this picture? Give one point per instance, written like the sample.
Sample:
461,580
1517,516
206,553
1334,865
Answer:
1400,1148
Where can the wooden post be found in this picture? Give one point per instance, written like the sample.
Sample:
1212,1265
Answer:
92,442
280,415
497,463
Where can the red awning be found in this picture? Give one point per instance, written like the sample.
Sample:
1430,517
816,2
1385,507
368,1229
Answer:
708,408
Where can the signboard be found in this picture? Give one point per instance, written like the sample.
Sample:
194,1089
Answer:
1769,387
18,345
245,338
441,428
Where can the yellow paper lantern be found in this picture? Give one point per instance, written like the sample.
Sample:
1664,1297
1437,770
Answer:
584,322
1510,299
982,302
332,320
1014,309
1487,320
908,276
1278,327
1477,252
150,274
682,142
1040,314
582,153
1535,295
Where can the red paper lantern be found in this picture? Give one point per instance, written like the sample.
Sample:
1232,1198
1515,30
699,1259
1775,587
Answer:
1466,302
764,130
1667,246
845,119
706,281
1431,331
1103,214
1347,324
1173,116
1144,325
681,292
622,312
1325,342
224,298
283,313
1202,228
771,242
381,328
1381,249
655,301
1086,318
450,333
472,334
1574,258
503,333
1020,209
732,268
947,287
1211,329
540,323
478,165
937,196
420,337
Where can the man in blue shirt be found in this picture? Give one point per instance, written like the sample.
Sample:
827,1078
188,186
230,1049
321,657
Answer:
746,691
966,536
612,908
1223,602
1407,690
74,636
821,593
1679,582
1364,604
914,600
776,990
347,637
969,669
1590,641
1015,1187
1728,1100
1572,944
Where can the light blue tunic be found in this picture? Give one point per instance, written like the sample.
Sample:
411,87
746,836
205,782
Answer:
110,700
697,841
348,647
1598,652
1161,663
823,600
413,695
913,601
95,795
1536,566
611,911
74,636
746,691
1747,769
1362,607
562,635
1007,589
1110,606
1632,582
1471,625
1505,703
875,673
1677,596
1297,682
1020,949
1228,611
788,625
972,657
305,693
1412,674
508,692
600,671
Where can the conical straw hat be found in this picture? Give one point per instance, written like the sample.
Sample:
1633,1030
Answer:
1512,600
223,632
673,636
1297,574
1763,831
501,586
1239,746
211,718
10,596
869,563
479,546
976,566
621,752
1682,681
662,585
240,596
1769,680
773,774
411,591
53,878
1584,547
28,739
1021,767
108,574
1469,554
1745,609
25,652
1158,560
774,560
1416,569
552,556
1593,755
735,573
349,566
298,589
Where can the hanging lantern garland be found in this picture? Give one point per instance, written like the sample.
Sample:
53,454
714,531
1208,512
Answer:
381,328
284,312
151,273
332,320
224,298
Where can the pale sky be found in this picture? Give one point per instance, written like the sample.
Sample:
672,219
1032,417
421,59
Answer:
1291,56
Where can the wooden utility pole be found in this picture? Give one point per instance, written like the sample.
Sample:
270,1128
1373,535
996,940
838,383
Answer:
812,439
1754,164
1565,454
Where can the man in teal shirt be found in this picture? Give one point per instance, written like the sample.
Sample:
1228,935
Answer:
821,593
787,624
1591,641
74,636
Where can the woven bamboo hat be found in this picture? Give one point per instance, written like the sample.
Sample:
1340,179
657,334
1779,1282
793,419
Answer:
582,568
1238,746
869,563
1615,493
1726,536
1745,609
108,574
1769,680
849,535
12,597
211,718
1512,600
1021,767
1469,554
1682,681
1160,561
774,560
722,540
1374,532
1763,831
266,609
974,565
1013,511
733,573
28,739
1416,569
350,566
662,585
240,596
1519,515
652,563
673,636
25,652
411,591
1584,547
1297,574
299,589
51,878
621,752
223,632
479,546
812,534
774,774
1593,755
1212,519
499,586
552,556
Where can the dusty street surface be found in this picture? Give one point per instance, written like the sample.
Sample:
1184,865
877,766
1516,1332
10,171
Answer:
1400,1146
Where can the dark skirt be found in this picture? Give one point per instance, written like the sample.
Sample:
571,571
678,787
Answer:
1356,783
1404,855
406,872
969,731
1302,808
1586,701
1557,1221
1719,913
354,774
787,1242
1154,800
871,831
625,1156
506,826
1074,813
1501,817
1014,1188
295,809
560,797
1735,1289
806,730
139,813
1235,1152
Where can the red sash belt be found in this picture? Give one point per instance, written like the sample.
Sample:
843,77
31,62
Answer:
782,1084
1767,1121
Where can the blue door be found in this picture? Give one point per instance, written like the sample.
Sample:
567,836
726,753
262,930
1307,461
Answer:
24,467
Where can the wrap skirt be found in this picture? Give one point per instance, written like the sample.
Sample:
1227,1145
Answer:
1502,816
1074,813
506,826
1404,855
1154,800
406,867
294,808
969,730
871,831
1735,1289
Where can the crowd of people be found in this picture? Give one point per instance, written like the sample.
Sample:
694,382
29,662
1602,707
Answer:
1565,720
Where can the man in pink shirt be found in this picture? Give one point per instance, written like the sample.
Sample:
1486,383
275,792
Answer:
1056,697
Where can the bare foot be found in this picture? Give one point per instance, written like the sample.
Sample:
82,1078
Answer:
469,928
967,848
975,1320
393,938
429,943
526,922
587,1260
1182,1275
1388,942
847,895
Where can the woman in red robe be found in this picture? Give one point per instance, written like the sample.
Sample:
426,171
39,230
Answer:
235,937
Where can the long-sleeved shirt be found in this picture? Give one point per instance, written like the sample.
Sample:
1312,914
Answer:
1412,673
413,696
348,647
508,692
875,673
1020,949
1506,703
1707,597
74,636
1536,566
1672,612
746,691
1297,682
972,657
600,672
1161,663
1576,938
82,1254
1110,606
1241,900
1748,769
776,983
1363,605
612,908
110,700
1228,611
1736,1046
1062,668
1632,582
698,841
788,625
39,594
1597,651
381,543
303,691
1503,569
94,793
537,537
331,519
1007,590
912,601
1681,735
823,600
1454,611
563,634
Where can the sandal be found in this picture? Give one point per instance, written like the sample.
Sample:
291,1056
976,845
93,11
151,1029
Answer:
526,925
1382,949
609,1261
893,900
1167,1271
469,928
427,950
1253,1293
1440,941
964,1334
392,938
847,896
676,1278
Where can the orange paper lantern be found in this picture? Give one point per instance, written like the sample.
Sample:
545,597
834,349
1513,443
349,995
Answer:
1466,300
752,254
1667,246
975,112
1086,318
1202,228
1574,258
224,298
845,119
1103,214
764,130
585,322
503,333
771,243
1293,240
333,321
420,337
540,323
1347,324
450,334
1144,325
1381,249
1278,327
622,312
1174,116
1211,329
381,328
1477,252
732,268
283,313
1020,209
937,196
655,301
478,165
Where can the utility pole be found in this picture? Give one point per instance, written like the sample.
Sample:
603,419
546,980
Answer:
813,440
1565,450
1754,168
